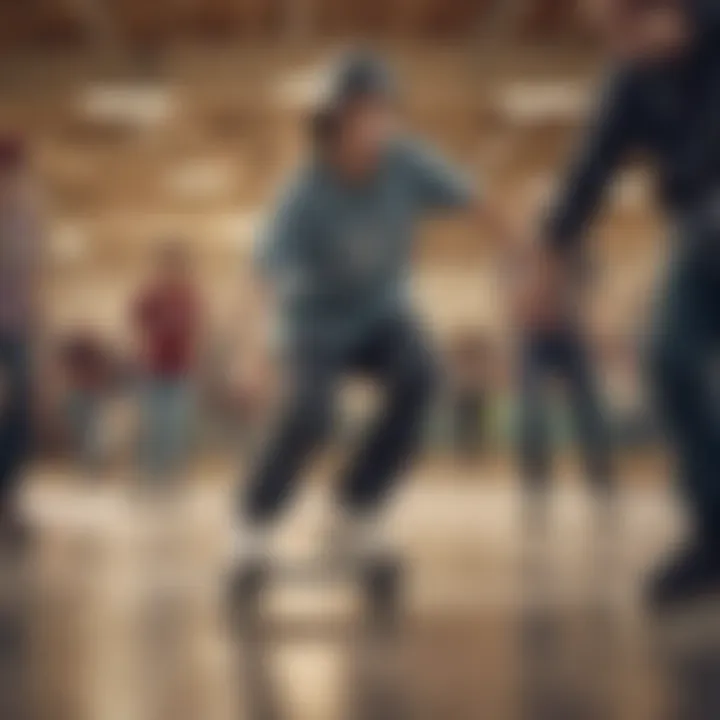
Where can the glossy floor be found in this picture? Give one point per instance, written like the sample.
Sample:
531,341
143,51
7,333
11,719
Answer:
129,615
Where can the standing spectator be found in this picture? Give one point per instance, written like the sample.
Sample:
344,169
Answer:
555,351
87,371
469,362
167,323
20,241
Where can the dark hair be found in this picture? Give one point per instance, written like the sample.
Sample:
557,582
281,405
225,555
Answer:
359,76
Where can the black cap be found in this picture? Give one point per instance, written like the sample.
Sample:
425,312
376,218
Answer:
358,75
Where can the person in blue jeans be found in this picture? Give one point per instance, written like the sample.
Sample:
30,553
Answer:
552,357
167,411
336,261
555,359
662,100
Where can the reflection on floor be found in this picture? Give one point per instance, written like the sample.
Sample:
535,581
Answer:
130,615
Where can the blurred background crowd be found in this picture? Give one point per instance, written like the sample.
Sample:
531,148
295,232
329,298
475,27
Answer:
106,398
158,135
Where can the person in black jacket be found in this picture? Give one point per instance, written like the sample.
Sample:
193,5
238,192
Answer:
662,99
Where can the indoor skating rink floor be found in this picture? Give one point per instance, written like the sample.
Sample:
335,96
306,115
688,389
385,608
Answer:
129,615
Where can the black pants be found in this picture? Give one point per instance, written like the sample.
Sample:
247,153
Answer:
396,356
684,369
15,414
552,357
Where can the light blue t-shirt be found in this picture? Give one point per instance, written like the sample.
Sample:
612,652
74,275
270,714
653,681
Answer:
339,254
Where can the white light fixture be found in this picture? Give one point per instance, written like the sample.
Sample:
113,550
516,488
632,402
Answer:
143,104
302,89
529,103
200,178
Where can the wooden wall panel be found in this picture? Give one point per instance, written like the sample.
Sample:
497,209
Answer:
144,21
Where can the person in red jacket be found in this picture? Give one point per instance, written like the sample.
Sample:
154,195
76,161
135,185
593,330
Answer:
166,318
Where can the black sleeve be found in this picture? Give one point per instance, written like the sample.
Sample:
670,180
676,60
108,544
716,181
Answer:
705,17
583,188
